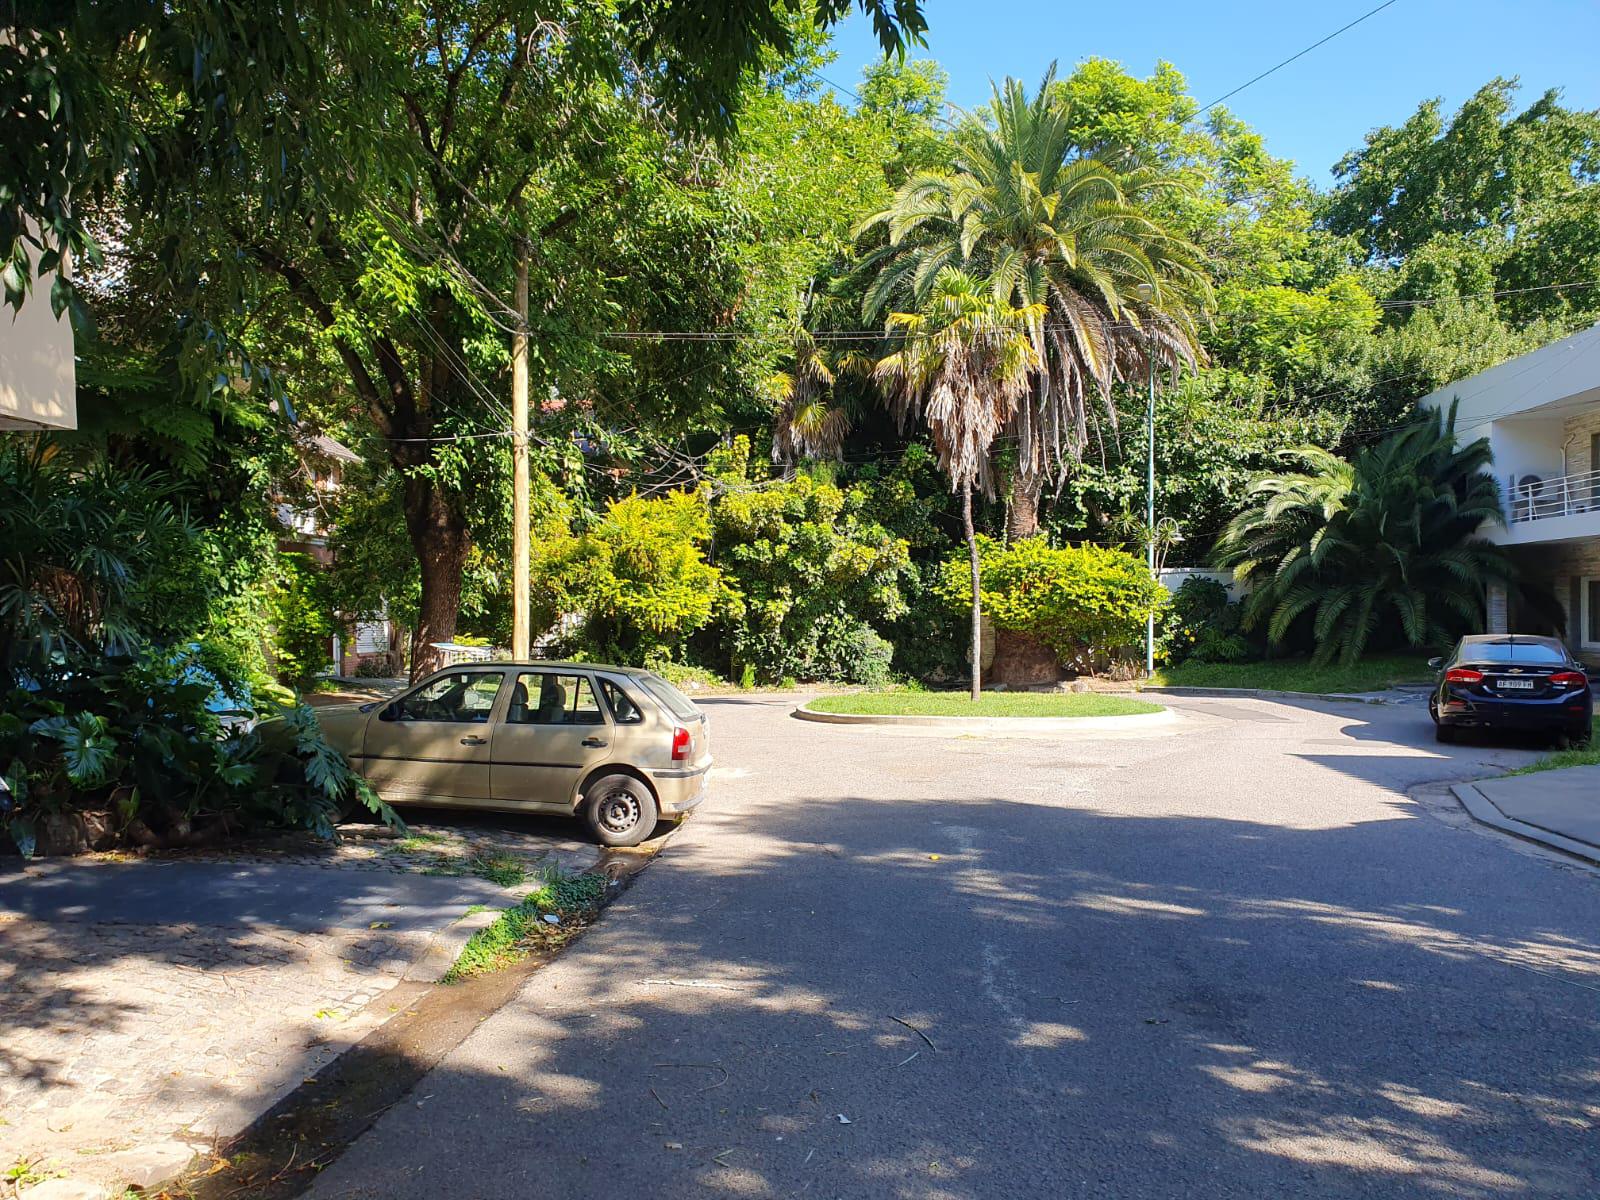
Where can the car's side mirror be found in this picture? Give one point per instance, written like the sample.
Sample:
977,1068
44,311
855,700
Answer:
390,712
1435,663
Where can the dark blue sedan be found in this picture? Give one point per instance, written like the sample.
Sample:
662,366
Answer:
1512,681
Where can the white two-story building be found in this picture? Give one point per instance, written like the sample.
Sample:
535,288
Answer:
1541,414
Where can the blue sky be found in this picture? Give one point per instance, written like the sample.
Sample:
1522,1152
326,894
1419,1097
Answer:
1313,110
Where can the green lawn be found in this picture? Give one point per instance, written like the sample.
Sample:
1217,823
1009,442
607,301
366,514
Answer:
992,704
1589,756
1298,675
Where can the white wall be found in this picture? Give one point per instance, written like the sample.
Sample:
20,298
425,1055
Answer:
38,375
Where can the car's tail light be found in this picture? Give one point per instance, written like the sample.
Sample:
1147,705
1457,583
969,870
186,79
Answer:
1463,675
682,743
1568,679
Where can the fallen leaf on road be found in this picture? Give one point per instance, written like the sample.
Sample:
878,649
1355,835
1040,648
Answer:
843,1120
381,925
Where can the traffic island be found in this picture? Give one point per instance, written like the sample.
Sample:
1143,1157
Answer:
993,712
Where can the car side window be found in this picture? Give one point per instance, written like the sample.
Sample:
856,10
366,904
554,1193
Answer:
553,698
464,697
623,709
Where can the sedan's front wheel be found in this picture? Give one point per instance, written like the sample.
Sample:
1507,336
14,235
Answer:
619,810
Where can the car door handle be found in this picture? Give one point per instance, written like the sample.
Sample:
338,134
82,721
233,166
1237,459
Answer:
473,739
595,742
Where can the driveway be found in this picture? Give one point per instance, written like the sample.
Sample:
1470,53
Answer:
1235,960
150,1006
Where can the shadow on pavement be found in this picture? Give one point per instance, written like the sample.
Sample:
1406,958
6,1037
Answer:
1225,1008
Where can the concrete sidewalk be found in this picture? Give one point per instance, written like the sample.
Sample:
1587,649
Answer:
152,1006
1561,808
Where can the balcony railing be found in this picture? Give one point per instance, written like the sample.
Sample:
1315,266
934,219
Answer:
1534,498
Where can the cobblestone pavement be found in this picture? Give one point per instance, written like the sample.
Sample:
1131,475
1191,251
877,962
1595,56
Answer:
179,1016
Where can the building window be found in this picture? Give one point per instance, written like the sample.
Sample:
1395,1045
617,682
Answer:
1591,613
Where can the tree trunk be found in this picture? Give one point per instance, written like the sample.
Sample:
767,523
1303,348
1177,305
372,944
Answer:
1022,519
439,536
1021,660
977,599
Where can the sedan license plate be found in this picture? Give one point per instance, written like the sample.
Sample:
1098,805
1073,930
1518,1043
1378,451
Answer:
1516,685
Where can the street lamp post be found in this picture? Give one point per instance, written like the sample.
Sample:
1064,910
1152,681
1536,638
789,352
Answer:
1150,502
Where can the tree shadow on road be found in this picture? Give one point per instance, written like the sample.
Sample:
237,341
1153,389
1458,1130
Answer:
936,999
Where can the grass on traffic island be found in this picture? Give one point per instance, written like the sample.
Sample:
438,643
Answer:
574,901
1587,756
991,704
1299,675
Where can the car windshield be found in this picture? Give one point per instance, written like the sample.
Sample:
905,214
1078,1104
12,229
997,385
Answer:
677,703
1524,653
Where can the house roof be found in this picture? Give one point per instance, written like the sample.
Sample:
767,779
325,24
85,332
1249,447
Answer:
324,446
1552,379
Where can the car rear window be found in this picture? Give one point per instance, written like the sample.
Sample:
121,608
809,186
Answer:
1530,653
677,703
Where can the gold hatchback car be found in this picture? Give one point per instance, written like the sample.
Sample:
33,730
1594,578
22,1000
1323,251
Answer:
620,747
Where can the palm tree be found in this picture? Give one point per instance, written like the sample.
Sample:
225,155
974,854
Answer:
807,421
962,366
1050,228
1391,532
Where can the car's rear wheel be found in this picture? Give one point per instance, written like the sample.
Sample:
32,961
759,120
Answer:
1444,734
619,810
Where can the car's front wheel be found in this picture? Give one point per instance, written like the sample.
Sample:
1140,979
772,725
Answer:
619,810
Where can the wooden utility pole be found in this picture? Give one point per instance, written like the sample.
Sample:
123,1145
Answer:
520,532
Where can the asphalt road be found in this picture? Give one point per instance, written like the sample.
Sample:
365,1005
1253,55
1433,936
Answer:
1234,960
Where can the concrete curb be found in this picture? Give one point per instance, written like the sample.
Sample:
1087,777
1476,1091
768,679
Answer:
1483,810
993,724
1261,694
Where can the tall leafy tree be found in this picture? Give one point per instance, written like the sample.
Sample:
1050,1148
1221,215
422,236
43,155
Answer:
567,132
961,369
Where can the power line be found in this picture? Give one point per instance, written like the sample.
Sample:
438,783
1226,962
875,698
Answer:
1270,70
1543,287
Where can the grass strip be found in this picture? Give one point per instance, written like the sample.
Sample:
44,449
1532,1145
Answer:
1588,756
1299,675
518,932
990,704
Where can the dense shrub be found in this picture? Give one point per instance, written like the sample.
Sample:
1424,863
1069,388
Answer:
867,657
303,624
814,572
140,743
1201,625
638,576
1087,603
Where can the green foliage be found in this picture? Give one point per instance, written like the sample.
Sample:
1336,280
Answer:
139,738
520,931
866,656
1065,239
813,571
77,546
1087,603
638,576
1389,534
1201,625
303,625
1373,673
